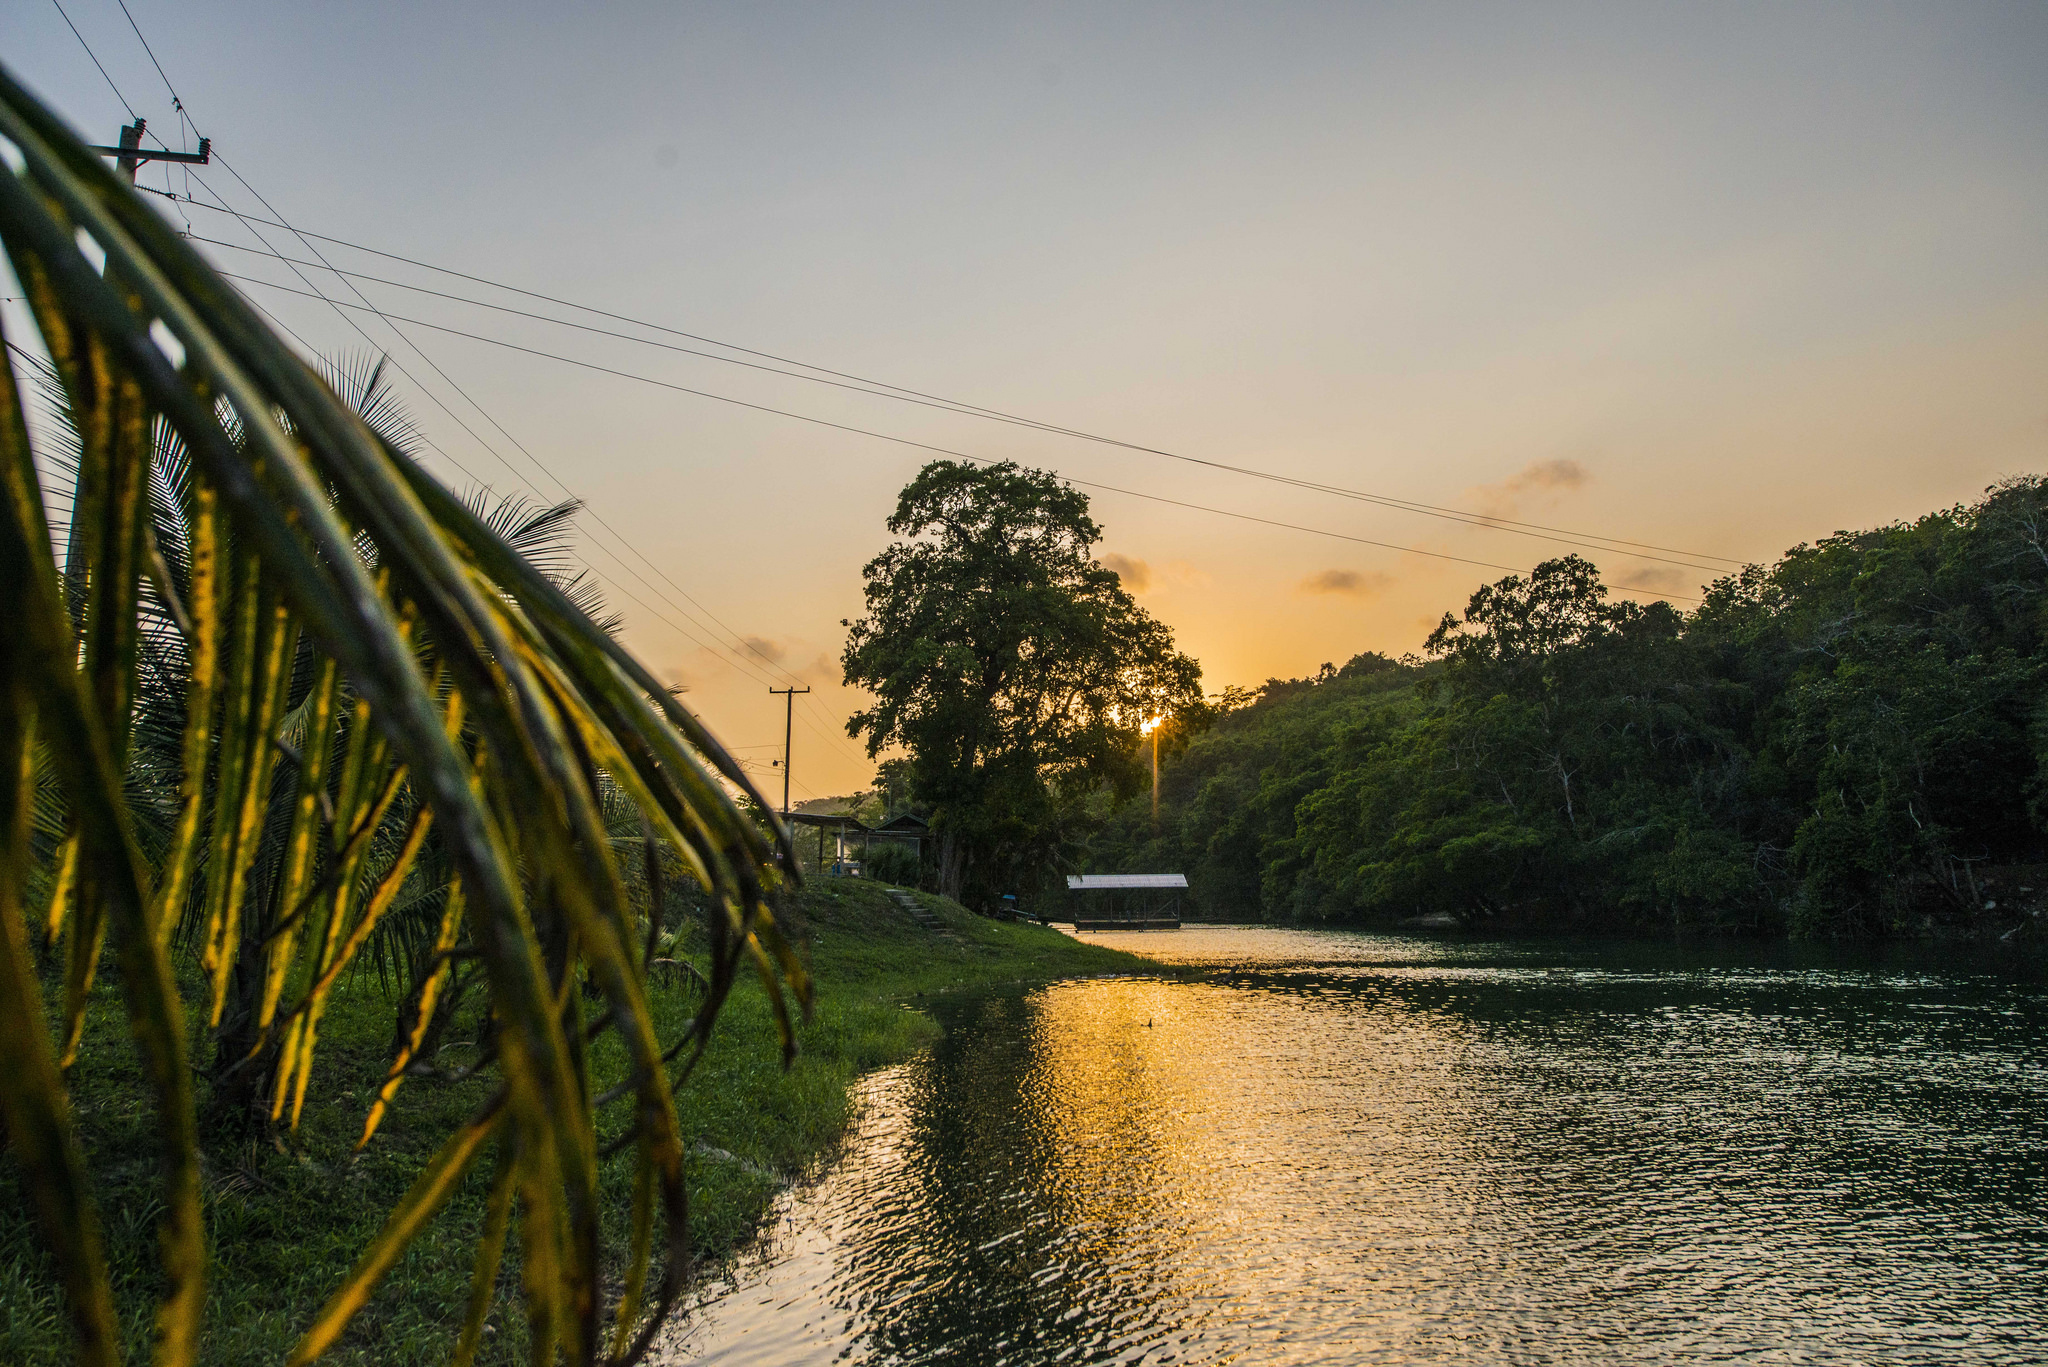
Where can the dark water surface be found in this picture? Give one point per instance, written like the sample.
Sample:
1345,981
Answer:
1345,1148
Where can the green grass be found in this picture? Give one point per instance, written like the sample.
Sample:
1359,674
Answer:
287,1218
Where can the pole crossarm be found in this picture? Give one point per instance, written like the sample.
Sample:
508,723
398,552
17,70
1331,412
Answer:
131,154
141,154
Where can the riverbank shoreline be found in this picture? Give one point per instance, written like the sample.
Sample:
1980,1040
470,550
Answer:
288,1214
1341,1148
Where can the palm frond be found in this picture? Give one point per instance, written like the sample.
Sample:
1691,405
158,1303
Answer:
350,692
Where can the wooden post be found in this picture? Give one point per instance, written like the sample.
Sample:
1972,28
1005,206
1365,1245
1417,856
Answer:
788,718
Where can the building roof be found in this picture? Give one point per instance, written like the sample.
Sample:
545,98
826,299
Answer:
1093,882
827,819
905,822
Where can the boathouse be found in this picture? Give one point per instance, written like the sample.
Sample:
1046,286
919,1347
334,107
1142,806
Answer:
1125,901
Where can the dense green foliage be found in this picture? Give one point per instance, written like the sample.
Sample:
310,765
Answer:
1850,741
1012,666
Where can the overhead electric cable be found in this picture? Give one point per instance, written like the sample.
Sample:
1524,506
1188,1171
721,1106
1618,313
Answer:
96,61
862,384
314,353
388,321
1585,541
176,103
278,220
608,582
314,292
976,410
338,306
943,450
540,465
391,322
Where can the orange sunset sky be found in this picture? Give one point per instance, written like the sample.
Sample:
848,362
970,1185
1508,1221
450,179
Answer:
1715,278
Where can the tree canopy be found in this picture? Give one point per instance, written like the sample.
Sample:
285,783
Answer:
1851,741
1012,666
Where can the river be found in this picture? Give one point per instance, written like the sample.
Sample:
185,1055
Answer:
1348,1148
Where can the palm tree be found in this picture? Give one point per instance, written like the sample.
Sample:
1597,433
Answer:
281,676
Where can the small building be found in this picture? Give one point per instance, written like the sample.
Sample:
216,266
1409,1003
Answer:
848,832
906,830
1126,901
843,864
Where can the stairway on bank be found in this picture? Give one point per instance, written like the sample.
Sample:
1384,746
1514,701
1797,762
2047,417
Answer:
918,912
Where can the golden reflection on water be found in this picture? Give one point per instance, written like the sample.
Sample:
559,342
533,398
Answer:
1255,1150
1358,1149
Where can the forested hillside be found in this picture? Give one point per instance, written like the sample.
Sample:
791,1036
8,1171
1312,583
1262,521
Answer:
1852,741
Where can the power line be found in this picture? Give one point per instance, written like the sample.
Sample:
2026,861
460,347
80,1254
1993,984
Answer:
827,736
914,396
946,450
96,61
314,352
1594,543
389,322
185,118
317,293
859,384
176,103
883,389
279,221
352,275
521,446
450,381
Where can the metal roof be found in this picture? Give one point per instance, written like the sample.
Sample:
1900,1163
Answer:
827,819
906,822
1092,882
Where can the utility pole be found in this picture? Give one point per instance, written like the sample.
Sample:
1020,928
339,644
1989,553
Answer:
788,716
131,154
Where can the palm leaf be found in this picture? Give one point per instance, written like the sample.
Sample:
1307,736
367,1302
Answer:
337,629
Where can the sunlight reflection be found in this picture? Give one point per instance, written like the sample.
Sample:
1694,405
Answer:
1368,1149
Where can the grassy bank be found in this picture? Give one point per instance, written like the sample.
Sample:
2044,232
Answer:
287,1217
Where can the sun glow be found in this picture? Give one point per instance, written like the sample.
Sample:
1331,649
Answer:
1146,728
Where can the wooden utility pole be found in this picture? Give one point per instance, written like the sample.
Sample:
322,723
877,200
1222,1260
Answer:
131,154
788,716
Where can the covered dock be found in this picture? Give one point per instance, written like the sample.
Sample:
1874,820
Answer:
1126,901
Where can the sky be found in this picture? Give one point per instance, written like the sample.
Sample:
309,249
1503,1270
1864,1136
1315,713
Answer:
1717,278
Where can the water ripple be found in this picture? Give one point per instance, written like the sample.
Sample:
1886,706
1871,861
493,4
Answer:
1370,1149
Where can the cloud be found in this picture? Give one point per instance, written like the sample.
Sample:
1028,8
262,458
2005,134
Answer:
792,657
1136,574
749,657
1658,579
1531,482
1348,583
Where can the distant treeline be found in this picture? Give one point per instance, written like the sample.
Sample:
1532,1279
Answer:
1852,741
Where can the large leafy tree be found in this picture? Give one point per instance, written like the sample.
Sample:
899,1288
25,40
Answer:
1014,668
1566,749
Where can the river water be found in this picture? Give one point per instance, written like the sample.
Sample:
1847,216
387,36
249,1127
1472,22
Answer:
1348,1148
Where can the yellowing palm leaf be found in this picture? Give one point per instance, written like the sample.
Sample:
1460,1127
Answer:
436,670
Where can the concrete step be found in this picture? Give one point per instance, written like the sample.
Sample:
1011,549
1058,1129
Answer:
916,910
